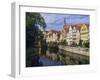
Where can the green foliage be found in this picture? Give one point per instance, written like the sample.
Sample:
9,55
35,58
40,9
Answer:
33,34
34,18
80,43
86,44
63,42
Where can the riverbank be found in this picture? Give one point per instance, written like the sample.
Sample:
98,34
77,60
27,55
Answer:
77,50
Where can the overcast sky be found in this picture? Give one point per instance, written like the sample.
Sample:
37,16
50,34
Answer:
56,21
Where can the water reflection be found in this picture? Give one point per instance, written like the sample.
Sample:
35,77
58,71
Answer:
48,62
62,58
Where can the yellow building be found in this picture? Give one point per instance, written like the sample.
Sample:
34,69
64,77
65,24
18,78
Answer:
84,32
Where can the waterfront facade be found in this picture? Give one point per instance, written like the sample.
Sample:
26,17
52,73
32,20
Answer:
72,34
51,36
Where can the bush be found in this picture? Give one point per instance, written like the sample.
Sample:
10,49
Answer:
63,42
86,44
80,43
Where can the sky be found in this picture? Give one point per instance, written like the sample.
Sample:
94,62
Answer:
56,21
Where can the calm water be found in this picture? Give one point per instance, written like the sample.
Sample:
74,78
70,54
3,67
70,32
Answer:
66,58
47,62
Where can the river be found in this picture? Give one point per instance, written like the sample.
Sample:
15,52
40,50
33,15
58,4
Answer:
63,58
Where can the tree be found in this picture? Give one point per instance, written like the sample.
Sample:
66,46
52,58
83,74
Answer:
80,43
86,44
63,42
32,29
33,37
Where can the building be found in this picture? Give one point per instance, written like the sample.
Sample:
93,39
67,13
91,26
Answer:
73,35
63,34
84,32
77,37
69,37
51,36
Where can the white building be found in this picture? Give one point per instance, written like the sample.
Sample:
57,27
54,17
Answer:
77,37
73,35
69,37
